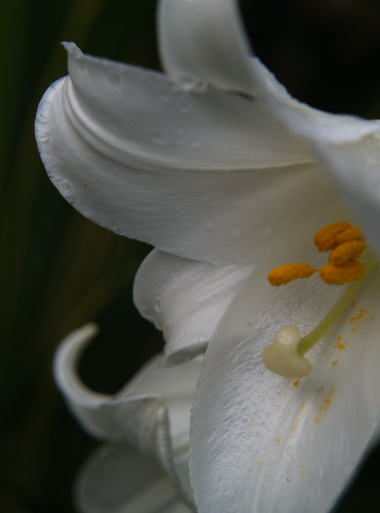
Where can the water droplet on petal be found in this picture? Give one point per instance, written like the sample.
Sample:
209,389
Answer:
190,83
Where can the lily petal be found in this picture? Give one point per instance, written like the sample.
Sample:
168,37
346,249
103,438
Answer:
205,42
261,443
118,145
118,479
355,169
346,146
151,413
185,299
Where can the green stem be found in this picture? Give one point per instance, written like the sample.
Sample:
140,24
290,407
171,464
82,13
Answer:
311,339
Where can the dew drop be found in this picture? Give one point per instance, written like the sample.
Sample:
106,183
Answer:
189,83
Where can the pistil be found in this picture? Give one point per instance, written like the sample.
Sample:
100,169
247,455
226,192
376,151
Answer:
349,262
311,339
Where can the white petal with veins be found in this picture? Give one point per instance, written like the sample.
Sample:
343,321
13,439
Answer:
151,413
204,41
260,442
185,299
220,188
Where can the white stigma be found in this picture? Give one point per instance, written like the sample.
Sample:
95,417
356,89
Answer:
282,358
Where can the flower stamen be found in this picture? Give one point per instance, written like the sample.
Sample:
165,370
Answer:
346,252
285,356
346,245
310,340
349,235
289,272
326,238
341,274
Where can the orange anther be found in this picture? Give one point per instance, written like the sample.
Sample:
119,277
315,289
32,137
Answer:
289,272
326,238
346,252
338,275
353,233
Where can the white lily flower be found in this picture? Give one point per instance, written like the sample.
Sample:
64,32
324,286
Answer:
228,177
144,466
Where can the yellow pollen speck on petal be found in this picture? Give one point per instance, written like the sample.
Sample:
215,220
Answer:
289,272
335,362
353,233
346,252
338,275
326,238
296,383
322,409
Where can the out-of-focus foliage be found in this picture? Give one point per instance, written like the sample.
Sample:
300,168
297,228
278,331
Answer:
60,271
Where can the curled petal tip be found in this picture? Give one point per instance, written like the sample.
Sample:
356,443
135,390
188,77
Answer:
72,49
67,356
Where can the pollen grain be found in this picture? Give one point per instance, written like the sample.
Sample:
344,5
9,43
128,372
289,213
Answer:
338,275
326,238
289,272
346,252
353,233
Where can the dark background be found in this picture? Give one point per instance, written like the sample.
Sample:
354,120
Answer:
60,271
